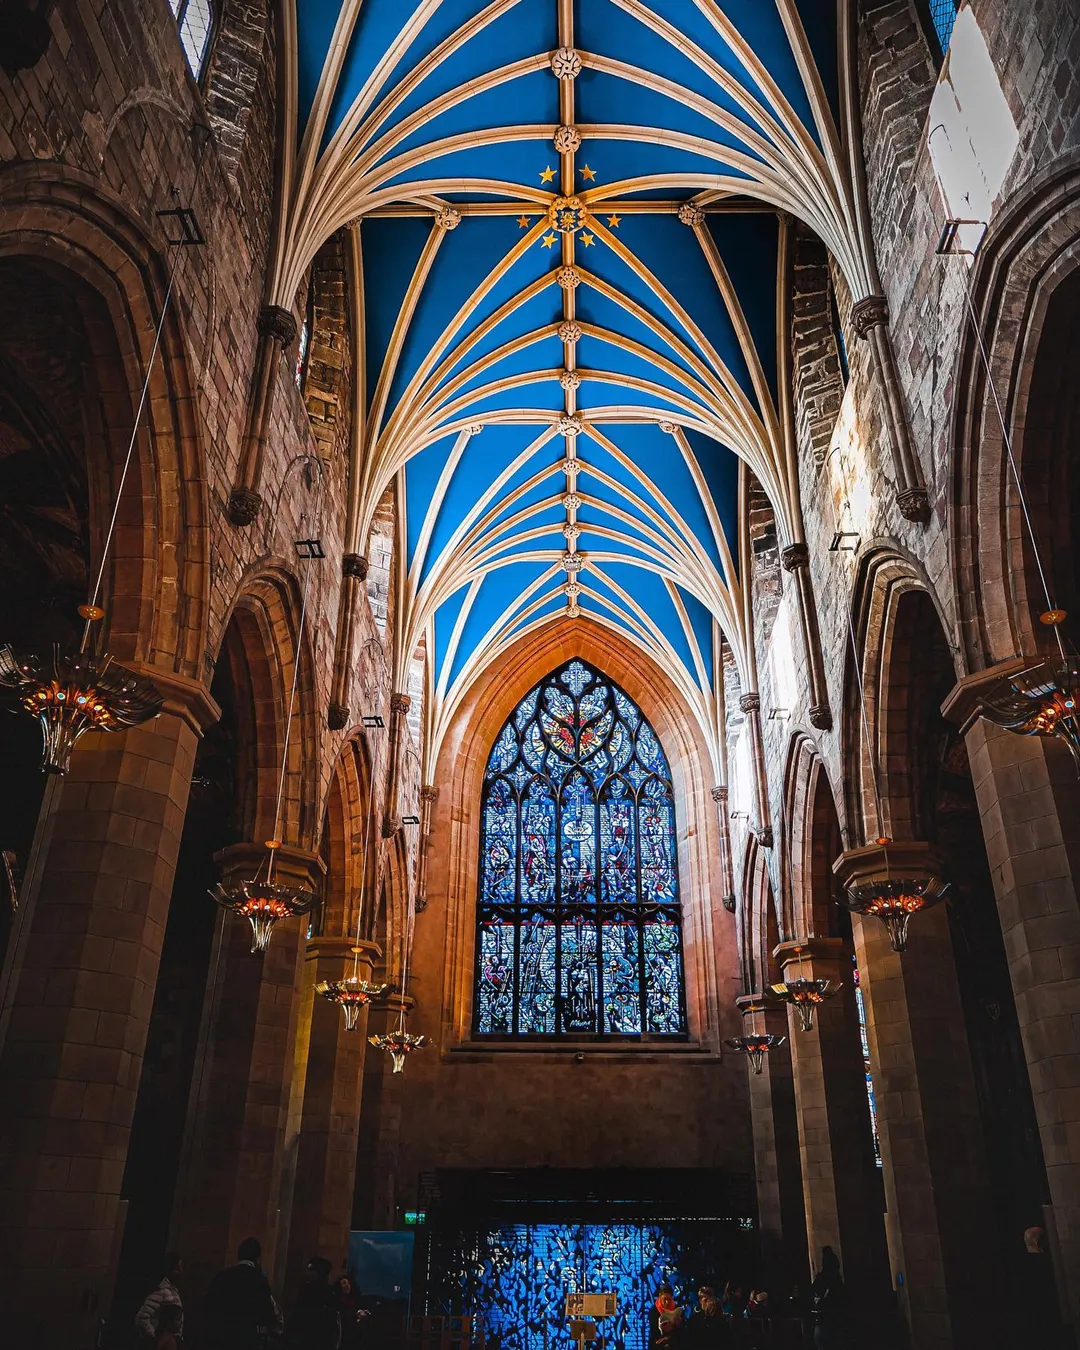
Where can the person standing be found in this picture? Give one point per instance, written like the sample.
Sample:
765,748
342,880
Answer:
708,1328
830,1304
167,1294
239,1310
316,1320
170,1328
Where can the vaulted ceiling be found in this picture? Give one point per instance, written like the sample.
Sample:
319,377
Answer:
570,232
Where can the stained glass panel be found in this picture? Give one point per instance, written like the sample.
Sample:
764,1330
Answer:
579,926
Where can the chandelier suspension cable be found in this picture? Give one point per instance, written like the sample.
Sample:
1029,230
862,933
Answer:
91,610
1053,615
275,842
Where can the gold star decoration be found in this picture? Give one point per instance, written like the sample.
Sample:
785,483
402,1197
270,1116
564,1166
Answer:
523,222
587,239
549,239
614,221
546,175
587,173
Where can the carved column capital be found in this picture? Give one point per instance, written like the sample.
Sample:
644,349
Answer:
719,794
277,323
795,555
390,826
914,504
354,565
400,704
244,505
750,703
428,793
764,835
337,716
869,313
821,717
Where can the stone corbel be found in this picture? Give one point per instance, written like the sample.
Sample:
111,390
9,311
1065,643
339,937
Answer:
870,317
795,560
277,330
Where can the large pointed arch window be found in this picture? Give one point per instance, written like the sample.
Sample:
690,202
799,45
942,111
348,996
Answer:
579,926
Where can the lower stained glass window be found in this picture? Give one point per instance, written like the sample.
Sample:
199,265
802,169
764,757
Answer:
580,931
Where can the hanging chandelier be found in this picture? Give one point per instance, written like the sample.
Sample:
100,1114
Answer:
262,900
1043,699
399,1043
351,994
894,901
755,1048
71,693
805,996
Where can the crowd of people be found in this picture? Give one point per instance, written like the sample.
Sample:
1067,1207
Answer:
239,1311
728,1319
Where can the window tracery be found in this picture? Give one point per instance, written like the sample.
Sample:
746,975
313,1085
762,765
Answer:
195,23
579,925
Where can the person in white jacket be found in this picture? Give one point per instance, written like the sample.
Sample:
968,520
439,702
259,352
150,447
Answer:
148,1316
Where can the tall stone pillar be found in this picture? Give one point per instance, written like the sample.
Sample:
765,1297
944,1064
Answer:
1028,798
781,1221
236,1129
938,1221
354,570
79,1004
322,1196
841,1189
727,872
796,561
277,330
751,707
399,711
871,319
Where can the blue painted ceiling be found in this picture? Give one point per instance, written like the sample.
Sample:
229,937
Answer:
567,446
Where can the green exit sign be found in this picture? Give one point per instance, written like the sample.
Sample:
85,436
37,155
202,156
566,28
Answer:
414,1217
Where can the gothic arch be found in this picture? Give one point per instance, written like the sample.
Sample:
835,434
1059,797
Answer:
891,634
349,844
1029,253
260,638
462,759
813,840
159,578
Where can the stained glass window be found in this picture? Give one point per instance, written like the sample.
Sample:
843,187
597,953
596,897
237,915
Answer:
195,21
579,926
860,1003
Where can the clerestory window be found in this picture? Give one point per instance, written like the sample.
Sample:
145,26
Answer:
939,19
579,925
195,23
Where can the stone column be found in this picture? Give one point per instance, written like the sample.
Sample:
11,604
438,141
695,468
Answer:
79,1004
277,330
1028,799
751,707
871,318
325,1172
841,1188
428,797
781,1221
236,1129
795,560
399,710
939,1222
727,874
354,570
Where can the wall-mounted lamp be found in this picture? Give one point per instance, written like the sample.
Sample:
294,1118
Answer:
779,715
740,815
845,541
410,820
372,720
950,243
309,548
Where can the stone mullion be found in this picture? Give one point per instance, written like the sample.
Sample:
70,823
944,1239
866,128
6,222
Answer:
795,560
870,317
938,1221
781,1219
841,1190
79,1016
325,1171
277,330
